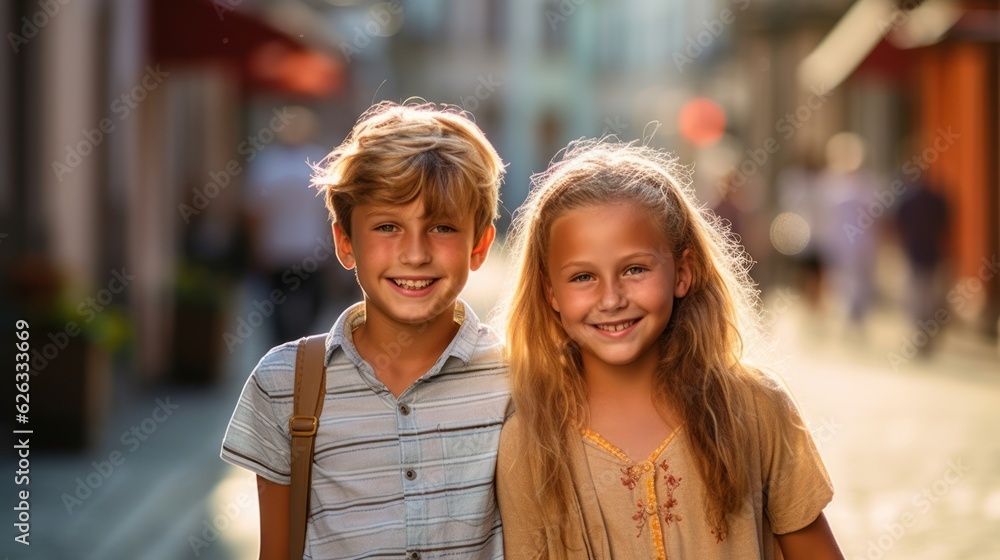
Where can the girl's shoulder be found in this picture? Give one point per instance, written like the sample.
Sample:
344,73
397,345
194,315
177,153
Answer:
513,433
775,410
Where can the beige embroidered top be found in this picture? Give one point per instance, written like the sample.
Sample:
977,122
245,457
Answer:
653,508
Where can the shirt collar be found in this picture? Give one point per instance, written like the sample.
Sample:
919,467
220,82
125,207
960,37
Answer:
461,347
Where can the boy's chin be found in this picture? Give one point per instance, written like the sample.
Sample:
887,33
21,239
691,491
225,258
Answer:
417,315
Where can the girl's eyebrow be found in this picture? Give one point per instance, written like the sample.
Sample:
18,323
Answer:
640,254
583,264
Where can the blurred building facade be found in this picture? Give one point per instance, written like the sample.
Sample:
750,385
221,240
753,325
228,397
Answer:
127,125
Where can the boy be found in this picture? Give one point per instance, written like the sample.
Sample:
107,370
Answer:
415,390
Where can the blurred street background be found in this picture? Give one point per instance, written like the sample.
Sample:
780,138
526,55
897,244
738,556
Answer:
154,197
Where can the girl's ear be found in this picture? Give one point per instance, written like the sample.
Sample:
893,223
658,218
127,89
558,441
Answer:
345,249
550,297
683,276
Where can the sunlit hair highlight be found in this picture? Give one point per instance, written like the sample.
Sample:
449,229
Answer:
396,154
704,372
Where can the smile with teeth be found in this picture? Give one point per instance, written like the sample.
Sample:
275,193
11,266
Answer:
615,327
413,284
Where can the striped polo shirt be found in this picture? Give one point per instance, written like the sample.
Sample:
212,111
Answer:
408,477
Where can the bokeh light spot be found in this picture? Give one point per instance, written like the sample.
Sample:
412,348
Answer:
702,122
789,233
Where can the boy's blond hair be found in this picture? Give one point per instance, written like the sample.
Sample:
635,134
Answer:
396,154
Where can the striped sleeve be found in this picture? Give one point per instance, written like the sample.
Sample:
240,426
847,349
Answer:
257,437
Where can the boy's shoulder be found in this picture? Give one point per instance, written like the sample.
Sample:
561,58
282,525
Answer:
477,343
275,372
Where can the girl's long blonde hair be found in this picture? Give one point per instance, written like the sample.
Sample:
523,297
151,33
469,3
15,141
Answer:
702,371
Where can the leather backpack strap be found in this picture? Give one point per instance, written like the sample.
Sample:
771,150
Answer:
310,389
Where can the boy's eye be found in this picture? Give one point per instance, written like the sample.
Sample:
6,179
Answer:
387,228
443,229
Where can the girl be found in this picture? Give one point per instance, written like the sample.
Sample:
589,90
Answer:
640,430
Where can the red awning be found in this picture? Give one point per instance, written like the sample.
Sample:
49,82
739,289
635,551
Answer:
199,31
887,62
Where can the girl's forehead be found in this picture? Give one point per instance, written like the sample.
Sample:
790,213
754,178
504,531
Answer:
607,228
622,211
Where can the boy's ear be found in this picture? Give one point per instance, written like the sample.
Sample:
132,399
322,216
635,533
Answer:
684,275
482,248
345,250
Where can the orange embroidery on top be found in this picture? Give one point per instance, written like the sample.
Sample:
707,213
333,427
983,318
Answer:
605,445
634,472
642,516
631,477
672,483
648,512
663,511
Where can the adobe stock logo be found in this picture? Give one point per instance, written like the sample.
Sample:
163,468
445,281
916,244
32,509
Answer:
122,106
712,29
922,501
32,26
88,484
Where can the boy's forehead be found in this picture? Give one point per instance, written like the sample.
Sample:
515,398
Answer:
415,209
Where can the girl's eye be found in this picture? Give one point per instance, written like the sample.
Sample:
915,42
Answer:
635,270
581,278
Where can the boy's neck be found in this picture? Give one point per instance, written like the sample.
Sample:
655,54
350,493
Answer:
401,353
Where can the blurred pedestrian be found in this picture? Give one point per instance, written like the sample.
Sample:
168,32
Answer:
849,238
922,222
287,226
799,193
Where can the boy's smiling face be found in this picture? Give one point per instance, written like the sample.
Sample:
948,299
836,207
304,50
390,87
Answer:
411,266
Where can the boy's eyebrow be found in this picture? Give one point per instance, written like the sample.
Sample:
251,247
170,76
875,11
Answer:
378,214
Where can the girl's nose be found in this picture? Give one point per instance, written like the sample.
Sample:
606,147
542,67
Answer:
612,297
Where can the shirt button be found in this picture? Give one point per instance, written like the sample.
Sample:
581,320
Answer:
404,409
414,556
410,474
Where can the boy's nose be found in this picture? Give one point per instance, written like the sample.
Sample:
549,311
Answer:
415,250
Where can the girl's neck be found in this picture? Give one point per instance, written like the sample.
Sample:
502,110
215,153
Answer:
615,382
624,408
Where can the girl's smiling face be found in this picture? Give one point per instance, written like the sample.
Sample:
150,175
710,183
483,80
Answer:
612,279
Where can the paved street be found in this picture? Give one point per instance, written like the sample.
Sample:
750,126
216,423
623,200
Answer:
913,453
